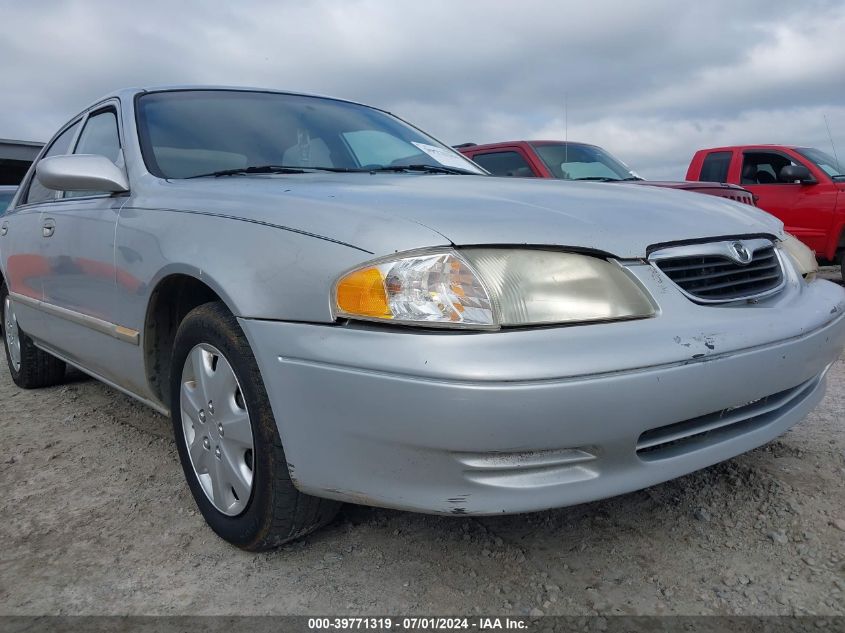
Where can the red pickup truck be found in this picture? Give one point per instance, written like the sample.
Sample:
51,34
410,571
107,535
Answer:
577,161
804,187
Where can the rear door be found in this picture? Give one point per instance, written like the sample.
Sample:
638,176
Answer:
21,244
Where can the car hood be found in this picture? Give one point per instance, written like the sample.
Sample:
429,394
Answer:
384,213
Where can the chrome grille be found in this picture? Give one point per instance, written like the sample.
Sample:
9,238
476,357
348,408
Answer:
717,272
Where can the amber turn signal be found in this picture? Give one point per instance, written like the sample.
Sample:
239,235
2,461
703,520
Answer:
362,292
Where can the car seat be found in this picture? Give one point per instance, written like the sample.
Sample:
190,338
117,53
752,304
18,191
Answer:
749,171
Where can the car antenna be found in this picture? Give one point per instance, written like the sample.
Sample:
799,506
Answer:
566,128
830,136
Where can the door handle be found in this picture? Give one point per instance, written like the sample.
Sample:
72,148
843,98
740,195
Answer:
4,229
48,228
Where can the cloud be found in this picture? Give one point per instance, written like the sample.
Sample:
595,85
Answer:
652,81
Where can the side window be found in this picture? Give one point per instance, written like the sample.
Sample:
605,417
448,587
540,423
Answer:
762,168
37,192
99,136
505,164
715,167
6,199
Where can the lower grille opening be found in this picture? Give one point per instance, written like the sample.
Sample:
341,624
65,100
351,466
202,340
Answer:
675,439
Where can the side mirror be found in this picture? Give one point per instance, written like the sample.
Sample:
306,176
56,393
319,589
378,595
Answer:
793,173
81,172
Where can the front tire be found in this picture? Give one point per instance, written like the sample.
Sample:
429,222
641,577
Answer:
31,368
228,441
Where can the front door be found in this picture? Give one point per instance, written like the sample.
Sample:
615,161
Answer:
805,209
78,242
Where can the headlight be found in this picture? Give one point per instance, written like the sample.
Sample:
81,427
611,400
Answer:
426,289
802,256
486,288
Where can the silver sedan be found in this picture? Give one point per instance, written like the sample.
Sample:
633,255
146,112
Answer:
333,306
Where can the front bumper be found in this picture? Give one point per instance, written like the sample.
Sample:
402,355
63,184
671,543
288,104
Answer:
515,421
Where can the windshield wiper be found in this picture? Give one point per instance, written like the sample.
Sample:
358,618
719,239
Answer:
598,179
268,169
289,169
632,178
429,169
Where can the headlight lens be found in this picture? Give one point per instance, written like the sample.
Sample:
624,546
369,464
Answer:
536,286
485,288
429,289
802,256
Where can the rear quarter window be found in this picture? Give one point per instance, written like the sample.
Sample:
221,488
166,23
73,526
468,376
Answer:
715,167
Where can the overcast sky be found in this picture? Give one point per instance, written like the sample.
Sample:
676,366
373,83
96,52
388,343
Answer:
650,81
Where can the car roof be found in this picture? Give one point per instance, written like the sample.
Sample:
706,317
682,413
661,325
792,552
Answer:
130,92
484,146
750,146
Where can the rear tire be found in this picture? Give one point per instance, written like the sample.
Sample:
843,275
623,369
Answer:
31,368
241,484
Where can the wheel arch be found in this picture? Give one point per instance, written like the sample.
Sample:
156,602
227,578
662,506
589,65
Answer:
176,292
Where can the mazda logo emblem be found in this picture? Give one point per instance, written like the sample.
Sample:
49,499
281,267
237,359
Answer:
741,253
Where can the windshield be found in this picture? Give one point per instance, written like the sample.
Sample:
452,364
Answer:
574,161
827,163
5,199
191,133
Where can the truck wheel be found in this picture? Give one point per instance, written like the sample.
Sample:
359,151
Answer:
227,437
31,368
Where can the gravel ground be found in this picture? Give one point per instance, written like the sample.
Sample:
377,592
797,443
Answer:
98,520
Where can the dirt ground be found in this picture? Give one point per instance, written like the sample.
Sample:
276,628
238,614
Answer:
98,520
